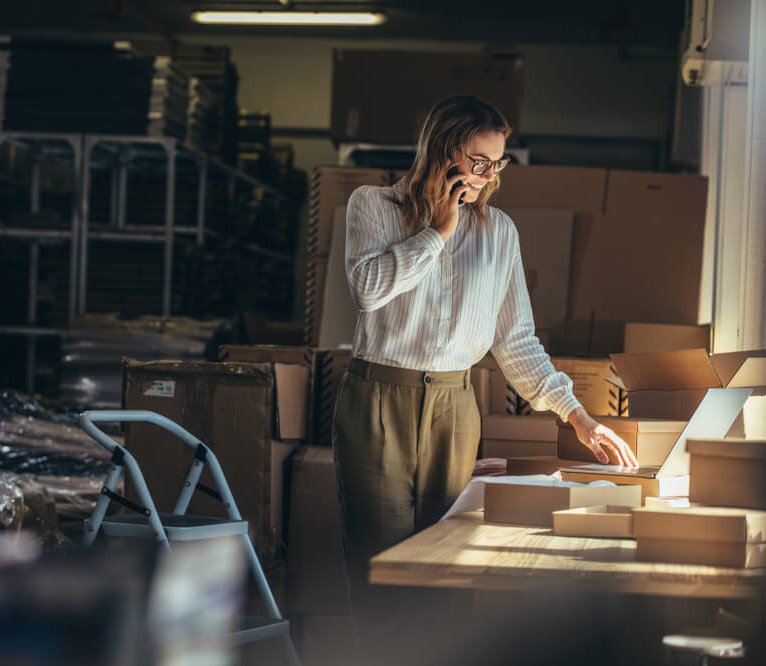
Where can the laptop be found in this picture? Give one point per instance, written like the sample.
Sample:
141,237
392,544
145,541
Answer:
712,419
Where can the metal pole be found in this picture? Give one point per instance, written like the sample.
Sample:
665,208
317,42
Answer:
201,196
170,190
122,191
34,271
84,224
75,228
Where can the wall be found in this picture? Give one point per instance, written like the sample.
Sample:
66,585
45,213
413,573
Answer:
569,90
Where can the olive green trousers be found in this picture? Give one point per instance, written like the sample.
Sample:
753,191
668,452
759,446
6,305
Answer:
405,443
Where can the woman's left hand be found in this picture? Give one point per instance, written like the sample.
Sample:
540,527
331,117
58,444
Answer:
598,437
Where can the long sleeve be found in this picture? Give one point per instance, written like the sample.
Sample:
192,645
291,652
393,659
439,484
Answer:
378,270
524,362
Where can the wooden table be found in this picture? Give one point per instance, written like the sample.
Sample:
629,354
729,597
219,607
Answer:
465,552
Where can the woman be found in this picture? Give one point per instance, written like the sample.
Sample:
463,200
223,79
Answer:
437,277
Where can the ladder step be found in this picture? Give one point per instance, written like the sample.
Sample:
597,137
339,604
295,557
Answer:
177,528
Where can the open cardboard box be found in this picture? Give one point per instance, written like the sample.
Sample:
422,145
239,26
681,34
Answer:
595,521
670,385
712,418
649,439
728,472
641,337
531,504
701,535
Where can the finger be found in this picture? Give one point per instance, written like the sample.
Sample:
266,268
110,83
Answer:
599,453
457,194
622,450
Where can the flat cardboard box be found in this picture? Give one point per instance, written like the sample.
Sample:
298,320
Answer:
480,382
545,236
521,504
671,486
670,385
641,338
667,503
728,472
524,465
367,84
598,397
650,238
330,187
338,312
510,448
534,428
701,535
232,408
650,439
595,521
316,572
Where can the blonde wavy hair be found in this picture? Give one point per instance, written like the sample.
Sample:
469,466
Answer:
447,130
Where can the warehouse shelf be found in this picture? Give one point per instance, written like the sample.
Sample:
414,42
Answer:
121,151
67,149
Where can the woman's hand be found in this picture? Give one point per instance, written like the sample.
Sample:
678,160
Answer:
598,437
446,209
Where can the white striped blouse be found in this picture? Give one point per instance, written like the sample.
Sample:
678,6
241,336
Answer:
430,306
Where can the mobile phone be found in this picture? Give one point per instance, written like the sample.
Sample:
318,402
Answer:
454,171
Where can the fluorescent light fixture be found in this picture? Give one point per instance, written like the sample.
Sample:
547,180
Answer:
288,18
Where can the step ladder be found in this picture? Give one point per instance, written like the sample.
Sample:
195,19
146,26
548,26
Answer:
147,523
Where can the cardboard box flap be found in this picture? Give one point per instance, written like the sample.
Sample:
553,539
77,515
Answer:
292,395
727,365
264,354
682,369
700,524
752,374
754,449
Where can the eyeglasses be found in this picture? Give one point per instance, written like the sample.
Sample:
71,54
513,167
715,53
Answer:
479,167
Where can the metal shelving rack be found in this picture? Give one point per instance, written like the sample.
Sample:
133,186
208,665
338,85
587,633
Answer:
83,230
41,145
127,147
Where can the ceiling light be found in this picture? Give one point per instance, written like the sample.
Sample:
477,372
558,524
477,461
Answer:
288,18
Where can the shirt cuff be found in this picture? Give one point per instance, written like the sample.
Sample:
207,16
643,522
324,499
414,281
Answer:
566,406
432,239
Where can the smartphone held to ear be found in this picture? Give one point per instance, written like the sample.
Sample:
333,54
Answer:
454,171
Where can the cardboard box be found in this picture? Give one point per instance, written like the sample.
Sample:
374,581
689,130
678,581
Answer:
505,436
316,276
338,312
548,465
509,448
329,368
658,218
523,504
588,375
316,571
650,239
670,486
330,187
598,397
594,521
701,535
232,407
670,385
667,503
728,472
367,87
649,439
480,383
641,338
545,236
535,428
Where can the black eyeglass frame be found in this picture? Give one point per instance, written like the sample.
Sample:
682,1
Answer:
496,165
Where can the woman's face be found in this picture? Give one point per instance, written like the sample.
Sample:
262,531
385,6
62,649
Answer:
483,146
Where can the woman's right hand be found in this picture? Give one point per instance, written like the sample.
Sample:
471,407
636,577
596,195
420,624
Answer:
446,210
